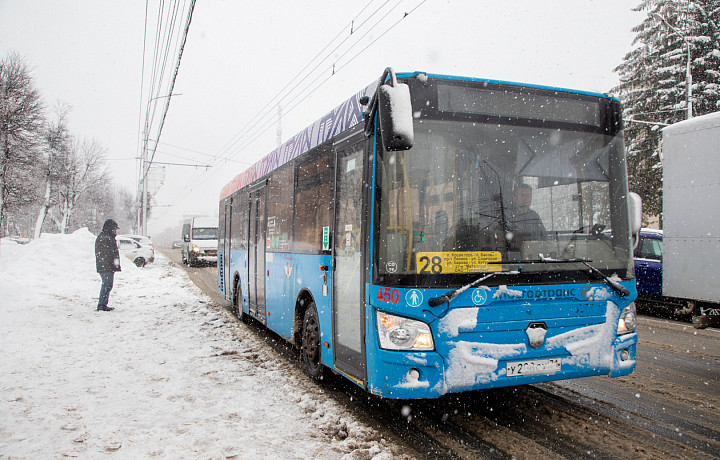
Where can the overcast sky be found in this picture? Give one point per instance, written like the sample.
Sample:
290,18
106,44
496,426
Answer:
240,54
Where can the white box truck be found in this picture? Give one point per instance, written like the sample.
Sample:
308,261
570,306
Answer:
200,240
691,217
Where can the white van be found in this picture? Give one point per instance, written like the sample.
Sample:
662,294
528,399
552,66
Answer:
199,236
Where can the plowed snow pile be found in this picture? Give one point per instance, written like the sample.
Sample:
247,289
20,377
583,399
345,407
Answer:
164,375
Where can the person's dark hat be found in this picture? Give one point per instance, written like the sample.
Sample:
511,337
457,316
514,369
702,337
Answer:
110,225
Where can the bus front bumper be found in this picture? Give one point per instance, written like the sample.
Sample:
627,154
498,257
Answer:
470,366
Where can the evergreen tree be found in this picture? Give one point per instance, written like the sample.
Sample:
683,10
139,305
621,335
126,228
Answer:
654,83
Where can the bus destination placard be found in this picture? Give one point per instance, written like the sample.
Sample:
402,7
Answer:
458,262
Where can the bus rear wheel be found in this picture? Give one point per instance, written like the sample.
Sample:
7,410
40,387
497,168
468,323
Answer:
310,347
236,307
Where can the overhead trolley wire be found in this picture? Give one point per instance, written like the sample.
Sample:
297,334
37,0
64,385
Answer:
267,124
172,83
252,132
263,112
247,130
163,42
311,88
156,76
214,157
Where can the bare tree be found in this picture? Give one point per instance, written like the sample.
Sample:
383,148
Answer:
83,171
58,142
21,123
128,209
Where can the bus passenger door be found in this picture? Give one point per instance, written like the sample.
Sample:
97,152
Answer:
348,308
256,259
227,246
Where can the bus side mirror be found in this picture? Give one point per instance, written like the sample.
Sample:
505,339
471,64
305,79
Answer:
395,116
635,205
186,238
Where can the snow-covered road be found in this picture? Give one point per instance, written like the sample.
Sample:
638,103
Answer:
164,375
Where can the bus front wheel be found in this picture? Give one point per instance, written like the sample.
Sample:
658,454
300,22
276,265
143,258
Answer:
310,348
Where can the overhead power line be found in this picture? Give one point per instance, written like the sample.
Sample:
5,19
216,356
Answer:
175,74
165,41
279,97
259,124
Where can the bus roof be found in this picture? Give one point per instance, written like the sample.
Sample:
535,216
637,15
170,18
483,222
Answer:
203,222
344,116
510,83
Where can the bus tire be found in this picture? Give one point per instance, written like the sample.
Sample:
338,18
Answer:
237,308
140,262
310,348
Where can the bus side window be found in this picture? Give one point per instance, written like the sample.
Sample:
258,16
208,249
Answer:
313,196
280,201
239,222
221,225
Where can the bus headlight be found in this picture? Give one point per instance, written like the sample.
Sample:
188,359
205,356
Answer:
398,333
628,320
196,249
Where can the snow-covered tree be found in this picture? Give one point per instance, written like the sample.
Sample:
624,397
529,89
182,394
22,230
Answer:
127,205
672,73
21,123
83,171
57,146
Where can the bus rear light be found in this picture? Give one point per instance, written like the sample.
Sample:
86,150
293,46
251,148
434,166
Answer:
398,333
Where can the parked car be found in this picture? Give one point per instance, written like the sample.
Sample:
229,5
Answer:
140,254
144,240
648,264
18,239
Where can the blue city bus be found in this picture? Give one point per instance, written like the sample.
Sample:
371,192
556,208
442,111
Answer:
437,234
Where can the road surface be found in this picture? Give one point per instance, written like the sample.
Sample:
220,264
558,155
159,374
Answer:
668,408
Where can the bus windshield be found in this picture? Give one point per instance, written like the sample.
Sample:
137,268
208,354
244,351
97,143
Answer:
204,233
471,194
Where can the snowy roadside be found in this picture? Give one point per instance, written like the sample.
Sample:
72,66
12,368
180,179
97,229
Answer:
164,375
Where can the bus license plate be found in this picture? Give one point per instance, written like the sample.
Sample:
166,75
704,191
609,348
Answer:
538,366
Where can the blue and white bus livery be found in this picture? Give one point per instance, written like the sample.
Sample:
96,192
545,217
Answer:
437,234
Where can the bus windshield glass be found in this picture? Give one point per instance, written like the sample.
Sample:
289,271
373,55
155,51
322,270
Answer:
471,194
204,233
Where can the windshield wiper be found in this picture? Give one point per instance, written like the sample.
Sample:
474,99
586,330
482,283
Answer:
619,288
622,290
435,301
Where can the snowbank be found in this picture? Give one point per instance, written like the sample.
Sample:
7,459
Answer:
165,375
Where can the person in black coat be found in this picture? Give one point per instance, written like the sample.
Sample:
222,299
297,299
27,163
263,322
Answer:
107,261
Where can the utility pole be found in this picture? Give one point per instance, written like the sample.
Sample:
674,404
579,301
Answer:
145,168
